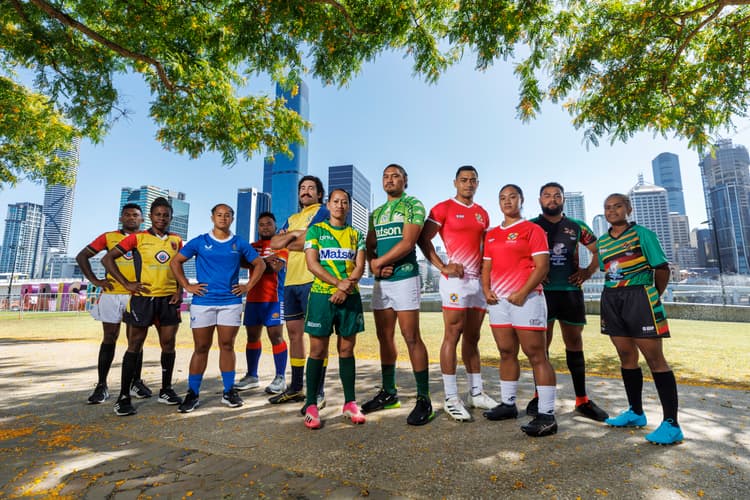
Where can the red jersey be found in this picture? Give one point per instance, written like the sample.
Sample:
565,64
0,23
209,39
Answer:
511,250
270,288
462,228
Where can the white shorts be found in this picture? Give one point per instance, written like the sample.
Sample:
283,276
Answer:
532,315
402,295
110,307
203,316
461,293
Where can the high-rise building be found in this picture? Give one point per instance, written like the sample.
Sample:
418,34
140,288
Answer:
666,168
599,225
58,206
281,174
680,228
250,204
575,208
347,177
705,242
726,186
651,210
145,195
23,239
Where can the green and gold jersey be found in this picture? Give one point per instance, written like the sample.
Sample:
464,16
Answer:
630,258
388,222
337,249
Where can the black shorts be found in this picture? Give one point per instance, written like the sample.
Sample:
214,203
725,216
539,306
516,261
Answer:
146,311
633,311
566,306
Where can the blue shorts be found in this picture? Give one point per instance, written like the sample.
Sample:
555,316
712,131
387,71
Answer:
295,301
263,313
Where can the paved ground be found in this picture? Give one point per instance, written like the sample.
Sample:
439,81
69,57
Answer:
51,443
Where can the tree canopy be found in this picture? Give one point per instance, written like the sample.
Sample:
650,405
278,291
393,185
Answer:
618,67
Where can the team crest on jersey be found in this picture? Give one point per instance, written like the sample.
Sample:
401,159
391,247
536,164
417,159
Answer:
479,218
128,255
162,257
513,236
234,247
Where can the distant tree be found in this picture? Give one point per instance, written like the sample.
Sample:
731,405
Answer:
617,66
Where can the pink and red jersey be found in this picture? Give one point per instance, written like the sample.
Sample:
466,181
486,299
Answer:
511,250
461,229
270,288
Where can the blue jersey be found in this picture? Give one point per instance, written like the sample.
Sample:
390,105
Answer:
217,264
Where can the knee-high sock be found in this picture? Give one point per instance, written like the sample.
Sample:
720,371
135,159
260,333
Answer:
666,387
298,374
633,380
280,354
423,383
348,373
128,368
388,374
252,355
314,367
227,379
577,368
167,367
138,366
322,383
104,362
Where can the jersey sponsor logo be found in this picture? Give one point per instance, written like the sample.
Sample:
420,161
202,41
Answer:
313,324
407,268
162,257
336,254
648,329
536,322
459,216
569,231
558,249
388,231
324,237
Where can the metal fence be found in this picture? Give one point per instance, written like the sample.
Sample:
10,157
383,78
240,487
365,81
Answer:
45,303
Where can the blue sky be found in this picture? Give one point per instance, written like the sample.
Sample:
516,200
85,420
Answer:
384,115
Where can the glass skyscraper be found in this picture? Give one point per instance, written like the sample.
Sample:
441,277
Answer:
347,177
726,186
23,239
281,174
145,195
251,203
58,206
651,210
666,168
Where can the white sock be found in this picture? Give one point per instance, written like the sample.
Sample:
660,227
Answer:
508,389
547,395
475,382
450,385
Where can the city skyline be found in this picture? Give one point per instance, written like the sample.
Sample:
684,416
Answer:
383,116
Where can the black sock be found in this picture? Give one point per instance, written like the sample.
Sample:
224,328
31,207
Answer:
167,367
633,380
666,386
138,367
321,384
298,378
128,368
577,368
104,363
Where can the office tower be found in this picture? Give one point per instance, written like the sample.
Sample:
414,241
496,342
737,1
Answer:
281,174
145,195
23,239
58,205
599,225
680,228
705,242
347,177
726,186
651,210
666,168
250,204
575,208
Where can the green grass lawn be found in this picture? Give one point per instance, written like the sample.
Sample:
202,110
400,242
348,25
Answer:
700,352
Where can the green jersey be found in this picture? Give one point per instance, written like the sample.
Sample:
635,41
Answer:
388,223
630,258
337,249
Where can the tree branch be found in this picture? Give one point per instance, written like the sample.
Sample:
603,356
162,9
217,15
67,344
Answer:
344,12
93,35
